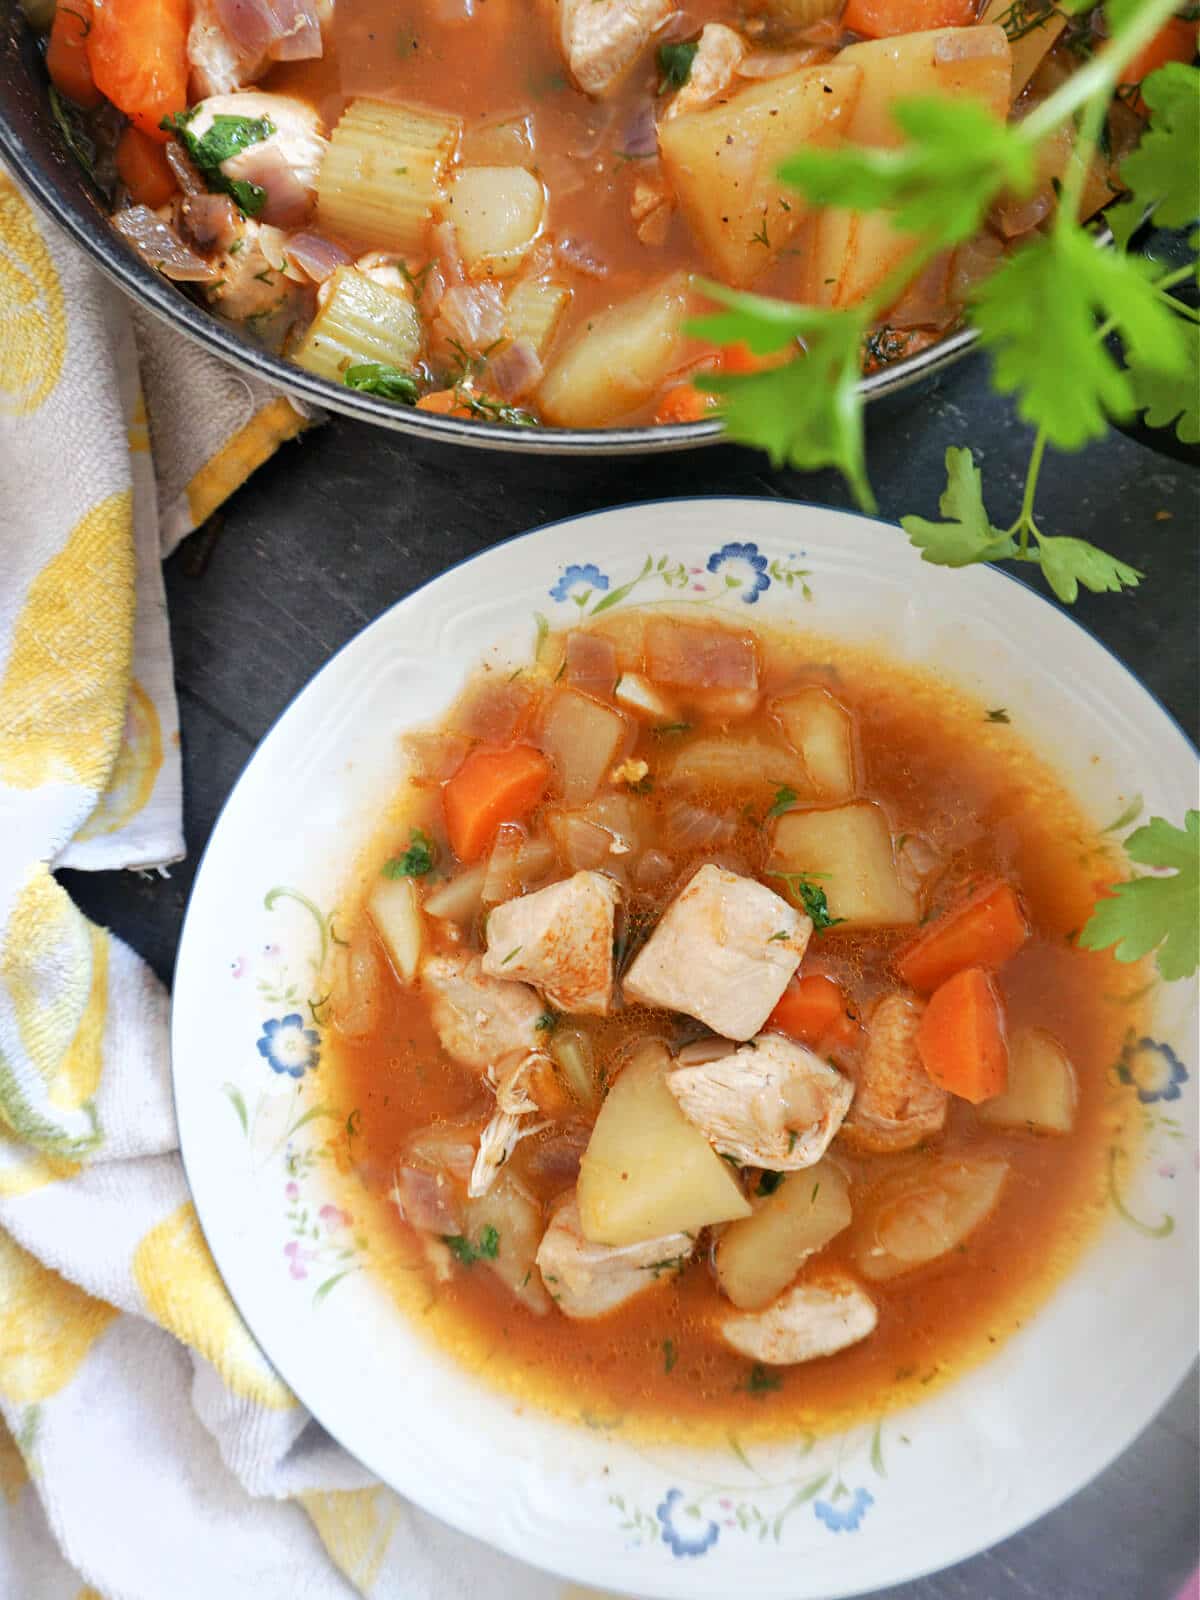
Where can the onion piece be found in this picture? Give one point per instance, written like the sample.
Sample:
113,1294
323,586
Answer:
427,1200
686,656
282,30
460,898
501,880
591,663
575,1058
516,370
208,222
186,174
578,254
641,136
690,827
775,63
158,244
473,315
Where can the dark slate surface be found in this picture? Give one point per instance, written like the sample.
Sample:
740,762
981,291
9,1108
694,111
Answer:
337,527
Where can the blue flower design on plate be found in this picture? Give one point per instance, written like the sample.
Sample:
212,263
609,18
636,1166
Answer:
685,1528
1153,1069
572,577
743,568
288,1046
846,1518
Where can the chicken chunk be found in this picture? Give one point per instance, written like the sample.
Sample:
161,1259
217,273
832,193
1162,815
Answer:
232,42
588,1280
770,1104
515,1103
719,53
561,939
723,952
253,285
601,39
479,1020
651,207
812,1319
896,1104
284,165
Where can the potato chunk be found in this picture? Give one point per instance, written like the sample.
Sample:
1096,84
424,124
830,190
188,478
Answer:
758,1258
1042,1093
584,739
646,1171
497,213
723,162
516,1217
822,733
396,912
922,1209
722,952
847,850
617,362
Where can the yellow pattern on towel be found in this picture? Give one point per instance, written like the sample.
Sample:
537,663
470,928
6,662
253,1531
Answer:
33,324
47,1326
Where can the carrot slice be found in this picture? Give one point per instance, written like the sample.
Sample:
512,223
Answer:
138,54
1174,41
144,169
985,931
444,402
961,1038
66,54
882,19
492,786
810,1010
684,404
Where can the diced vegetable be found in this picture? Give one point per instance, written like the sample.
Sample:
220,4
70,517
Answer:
591,663
500,142
516,1218
356,988
361,322
575,1057
637,694
395,909
137,50
533,309
1042,1094
491,787
501,880
758,1258
738,764
497,213
722,162
67,55
459,899
582,844
584,740
985,931
847,852
685,656
495,710
822,733
647,1171
1031,44
850,253
615,363
922,1209
961,1037
814,1011
143,169
881,19
1175,41
383,174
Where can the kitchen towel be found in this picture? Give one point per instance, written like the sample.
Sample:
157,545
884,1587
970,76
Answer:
147,1449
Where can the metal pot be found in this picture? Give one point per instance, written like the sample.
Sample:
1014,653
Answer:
34,149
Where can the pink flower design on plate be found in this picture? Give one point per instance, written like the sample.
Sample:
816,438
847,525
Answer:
237,968
292,1191
297,1255
335,1217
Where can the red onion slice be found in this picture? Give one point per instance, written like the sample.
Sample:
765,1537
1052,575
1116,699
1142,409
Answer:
515,372
317,258
161,246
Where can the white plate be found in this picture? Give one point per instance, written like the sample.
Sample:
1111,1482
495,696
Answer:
855,1512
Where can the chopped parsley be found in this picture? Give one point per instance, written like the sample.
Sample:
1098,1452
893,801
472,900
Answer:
811,896
390,383
670,1354
675,64
998,715
512,954
667,1264
226,137
486,1248
778,937
666,728
547,1022
769,1181
761,1380
416,861
481,405
785,799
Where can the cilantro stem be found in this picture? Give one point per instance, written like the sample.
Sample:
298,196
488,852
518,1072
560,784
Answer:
1025,525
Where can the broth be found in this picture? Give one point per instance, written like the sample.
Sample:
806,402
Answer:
656,1366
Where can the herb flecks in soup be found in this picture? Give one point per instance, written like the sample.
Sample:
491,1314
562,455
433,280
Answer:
720,1049
492,208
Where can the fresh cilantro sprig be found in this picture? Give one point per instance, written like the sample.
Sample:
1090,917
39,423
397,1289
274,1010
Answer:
225,137
1154,912
374,377
675,64
1046,314
811,897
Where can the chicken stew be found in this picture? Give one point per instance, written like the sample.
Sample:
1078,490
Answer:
719,1048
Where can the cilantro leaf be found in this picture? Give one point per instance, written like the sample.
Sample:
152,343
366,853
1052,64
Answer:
1172,398
416,861
1155,913
1068,563
225,137
956,158
374,377
785,799
1037,314
486,1248
811,896
675,64
806,414
1163,172
967,535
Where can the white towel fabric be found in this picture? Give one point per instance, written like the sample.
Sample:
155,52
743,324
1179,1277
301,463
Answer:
147,1449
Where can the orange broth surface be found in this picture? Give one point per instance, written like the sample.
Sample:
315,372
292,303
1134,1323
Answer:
941,767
